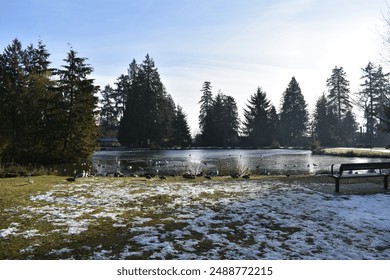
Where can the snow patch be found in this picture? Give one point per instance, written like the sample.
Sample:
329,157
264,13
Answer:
217,220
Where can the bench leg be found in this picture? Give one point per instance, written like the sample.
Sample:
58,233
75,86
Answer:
337,189
386,182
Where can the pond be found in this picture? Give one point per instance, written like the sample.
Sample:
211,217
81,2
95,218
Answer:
213,161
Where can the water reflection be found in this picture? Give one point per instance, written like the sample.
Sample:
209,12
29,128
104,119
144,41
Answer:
206,161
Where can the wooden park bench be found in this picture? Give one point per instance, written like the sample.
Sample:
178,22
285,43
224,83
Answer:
349,170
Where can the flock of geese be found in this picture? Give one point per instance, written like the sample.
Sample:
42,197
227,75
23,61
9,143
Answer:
153,169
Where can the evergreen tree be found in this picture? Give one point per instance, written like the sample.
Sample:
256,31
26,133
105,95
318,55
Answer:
218,126
181,130
274,126
260,122
324,123
372,98
348,128
13,94
149,110
130,123
206,113
79,103
38,129
43,120
231,120
338,88
108,121
218,118
293,115
26,96
120,95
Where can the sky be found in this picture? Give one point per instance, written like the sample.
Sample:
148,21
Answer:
236,45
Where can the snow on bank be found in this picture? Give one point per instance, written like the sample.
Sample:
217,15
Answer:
219,220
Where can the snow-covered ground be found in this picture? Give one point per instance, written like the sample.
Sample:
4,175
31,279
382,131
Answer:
213,220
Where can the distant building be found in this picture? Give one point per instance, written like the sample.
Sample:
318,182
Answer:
108,142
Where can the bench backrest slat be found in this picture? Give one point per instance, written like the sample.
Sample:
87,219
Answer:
364,166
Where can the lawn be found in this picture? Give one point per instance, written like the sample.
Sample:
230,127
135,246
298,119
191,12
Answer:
136,218
358,152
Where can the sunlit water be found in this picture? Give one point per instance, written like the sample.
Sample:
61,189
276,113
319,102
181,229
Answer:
213,161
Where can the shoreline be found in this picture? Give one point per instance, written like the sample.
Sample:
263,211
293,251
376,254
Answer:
375,152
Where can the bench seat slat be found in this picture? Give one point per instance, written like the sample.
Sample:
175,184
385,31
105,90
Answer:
363,175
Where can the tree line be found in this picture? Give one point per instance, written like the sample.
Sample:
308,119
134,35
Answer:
149,117
50,115
332,123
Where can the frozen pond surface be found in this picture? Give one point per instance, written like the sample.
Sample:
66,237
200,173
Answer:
225,161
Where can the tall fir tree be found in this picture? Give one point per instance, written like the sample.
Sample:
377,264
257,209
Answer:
218,118
338,88
348,128
373,98
260,120
149,109
120,95
39,130
324,123
181,131
79,104
206,113
13,95
26,93
231,121
44,120
293,115
108,121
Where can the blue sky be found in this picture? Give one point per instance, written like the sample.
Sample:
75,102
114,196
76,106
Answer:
236,45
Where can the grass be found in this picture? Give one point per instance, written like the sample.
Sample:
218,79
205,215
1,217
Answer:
357,152
42,235
16,191
49,239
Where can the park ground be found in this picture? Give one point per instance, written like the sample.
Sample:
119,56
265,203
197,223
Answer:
296,217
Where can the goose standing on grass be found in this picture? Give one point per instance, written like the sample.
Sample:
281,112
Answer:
80,175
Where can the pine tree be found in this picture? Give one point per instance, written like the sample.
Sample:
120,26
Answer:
218,118
259,123
13,95
25,92
338,88
206,114
231,121
108,121
348,128
149,110
373,98
130,122
293,115
79,103
181,130
218,127
324,123
120,95
39,132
